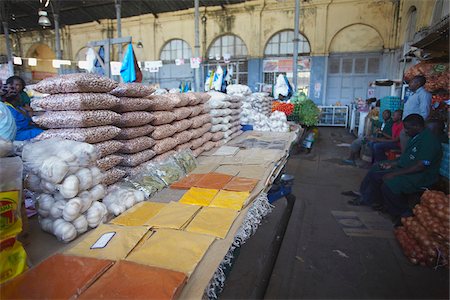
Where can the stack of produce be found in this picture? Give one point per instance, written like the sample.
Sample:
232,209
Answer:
225,114
67,184
80,108
425,237
437,74
277,122
256,103
286,108
181,121
135,130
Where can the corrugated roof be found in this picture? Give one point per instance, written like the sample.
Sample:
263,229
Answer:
22,15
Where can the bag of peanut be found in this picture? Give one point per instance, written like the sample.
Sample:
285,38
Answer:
163,117
76,119
161,102
199,121
134,132
89,135
76,83
136,145
134,90
109,162
112,176
182,125
132,160
163,131
182,137
165,145
134,118
132,104
76,101
107,147
182,113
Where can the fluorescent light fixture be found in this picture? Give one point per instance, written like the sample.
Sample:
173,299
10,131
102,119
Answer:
57,63
43,19
17,60
32,62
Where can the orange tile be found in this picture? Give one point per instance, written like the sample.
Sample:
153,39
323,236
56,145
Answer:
187,182
241,184
213,181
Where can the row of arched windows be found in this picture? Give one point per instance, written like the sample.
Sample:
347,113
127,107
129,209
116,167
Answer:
280,44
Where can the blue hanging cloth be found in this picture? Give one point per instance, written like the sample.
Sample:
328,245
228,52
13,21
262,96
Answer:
98,67
130,71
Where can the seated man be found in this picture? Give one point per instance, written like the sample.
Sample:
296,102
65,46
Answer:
387,183
388,142
26,129
385,129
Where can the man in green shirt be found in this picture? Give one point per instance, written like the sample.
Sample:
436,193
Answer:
388,183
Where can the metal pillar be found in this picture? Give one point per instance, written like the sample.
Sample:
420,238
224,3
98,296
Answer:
119,25
8,49
296,40
57,36
197,43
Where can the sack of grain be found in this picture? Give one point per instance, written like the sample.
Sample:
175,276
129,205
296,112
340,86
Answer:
89,135
112,176
132,104
76,119
182,137
163,117
161,102
134,118
136,145
182,113
134,132
200,120
107,147
182,125
164,156
132,160
109,162
184,100
164,145
197,110
76,83
134,90
76,101
163,131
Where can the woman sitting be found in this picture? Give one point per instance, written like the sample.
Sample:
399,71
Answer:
26,129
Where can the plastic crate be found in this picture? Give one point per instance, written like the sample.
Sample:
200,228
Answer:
444,169
391,103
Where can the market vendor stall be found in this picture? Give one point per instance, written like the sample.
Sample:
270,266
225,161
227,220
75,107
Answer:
172,215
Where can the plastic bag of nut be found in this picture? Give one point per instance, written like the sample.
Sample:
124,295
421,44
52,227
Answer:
76,101
198,132
133,171
132,160
132,104
196,143
196,110
184,146
184,100
206,108
76,119
163,131
76,83
112,176
164,145
134,132
209,145
89,135
204,97
193,99
163,117
199,121
198,151
182,137
137,144
109,162
107,147
208,136
174,98
182,113
182,125
217,136
134,118
134,90
161,102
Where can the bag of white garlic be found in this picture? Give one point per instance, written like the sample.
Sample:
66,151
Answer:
120,198
67,182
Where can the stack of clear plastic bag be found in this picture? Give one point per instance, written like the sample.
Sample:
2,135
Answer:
168,170
147,182
186,160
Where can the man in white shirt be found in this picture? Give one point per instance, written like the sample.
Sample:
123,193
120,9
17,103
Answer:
420,100
418,103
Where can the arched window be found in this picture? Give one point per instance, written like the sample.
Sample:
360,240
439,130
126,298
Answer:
228,45
281,44
175,49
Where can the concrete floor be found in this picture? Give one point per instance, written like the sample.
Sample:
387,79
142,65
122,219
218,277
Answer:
308,265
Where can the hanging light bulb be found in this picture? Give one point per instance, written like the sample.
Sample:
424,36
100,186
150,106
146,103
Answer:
43,19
